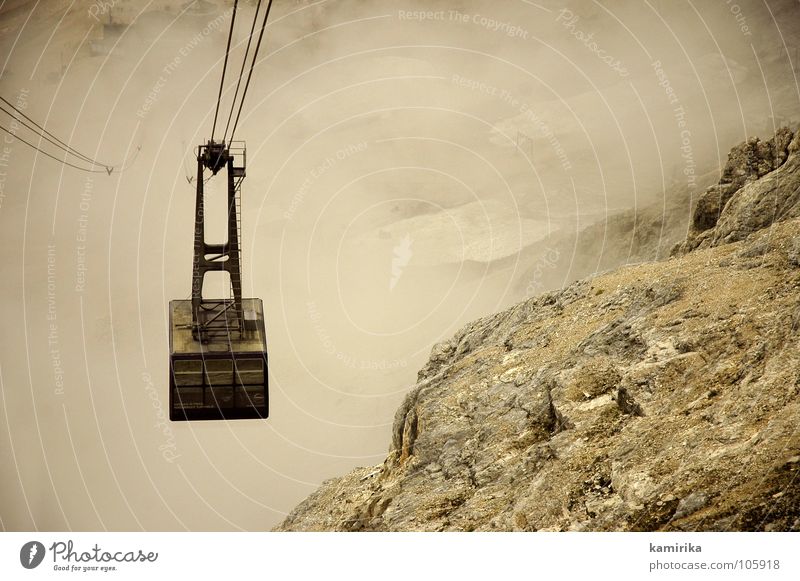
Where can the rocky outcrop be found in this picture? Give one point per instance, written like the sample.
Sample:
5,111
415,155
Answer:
661,396
760,184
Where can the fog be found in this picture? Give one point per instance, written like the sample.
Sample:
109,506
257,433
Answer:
401,158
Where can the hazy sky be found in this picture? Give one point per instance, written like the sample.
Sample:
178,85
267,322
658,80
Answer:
396,152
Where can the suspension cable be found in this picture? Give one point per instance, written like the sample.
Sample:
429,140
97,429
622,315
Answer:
89,170
224,67
46,138
241,72
46,135
252,65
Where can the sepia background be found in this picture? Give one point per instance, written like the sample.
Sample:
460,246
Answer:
411,167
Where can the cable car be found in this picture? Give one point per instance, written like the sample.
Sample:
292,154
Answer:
218,347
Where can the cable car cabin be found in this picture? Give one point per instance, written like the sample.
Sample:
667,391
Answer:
223,378
218,347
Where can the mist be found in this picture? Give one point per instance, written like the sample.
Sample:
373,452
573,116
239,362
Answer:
402,160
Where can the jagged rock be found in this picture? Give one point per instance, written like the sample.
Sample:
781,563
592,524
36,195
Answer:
761,203
760,185
627,404
668,401
754,158
709,205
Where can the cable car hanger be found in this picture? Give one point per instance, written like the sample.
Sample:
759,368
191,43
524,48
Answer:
218,348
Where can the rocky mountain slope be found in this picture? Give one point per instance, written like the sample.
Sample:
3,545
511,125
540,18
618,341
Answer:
661,396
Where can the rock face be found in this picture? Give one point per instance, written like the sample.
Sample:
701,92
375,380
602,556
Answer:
662,396
758,187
